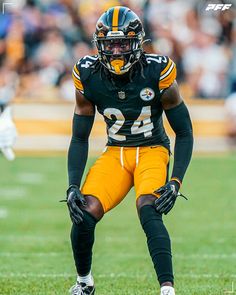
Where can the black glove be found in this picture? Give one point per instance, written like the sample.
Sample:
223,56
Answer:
168,195
75,200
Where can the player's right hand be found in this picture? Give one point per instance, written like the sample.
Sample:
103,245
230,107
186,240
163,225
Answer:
75,200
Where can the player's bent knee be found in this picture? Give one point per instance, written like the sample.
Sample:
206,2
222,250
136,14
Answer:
144,200
94,207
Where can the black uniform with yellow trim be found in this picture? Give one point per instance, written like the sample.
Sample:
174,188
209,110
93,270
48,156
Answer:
126,86
132,111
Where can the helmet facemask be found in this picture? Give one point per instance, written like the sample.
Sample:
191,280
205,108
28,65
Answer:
118,52
118,37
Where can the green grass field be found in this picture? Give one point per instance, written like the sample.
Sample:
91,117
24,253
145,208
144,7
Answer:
35,254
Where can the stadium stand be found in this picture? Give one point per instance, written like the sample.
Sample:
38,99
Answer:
41,40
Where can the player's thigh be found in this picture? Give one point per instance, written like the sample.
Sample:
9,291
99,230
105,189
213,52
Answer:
151,171
107,180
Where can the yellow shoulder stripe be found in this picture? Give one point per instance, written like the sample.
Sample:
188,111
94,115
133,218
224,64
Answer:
76,70
168,76
167,67
77,83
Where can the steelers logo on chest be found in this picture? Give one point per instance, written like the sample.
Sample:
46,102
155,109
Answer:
147,94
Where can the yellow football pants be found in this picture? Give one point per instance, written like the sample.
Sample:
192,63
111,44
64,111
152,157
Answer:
118,169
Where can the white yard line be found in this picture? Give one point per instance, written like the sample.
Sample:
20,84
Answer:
205,256
13,193
114,239
36,254
179,256
107,239
30,178
35,275
114,275
31,238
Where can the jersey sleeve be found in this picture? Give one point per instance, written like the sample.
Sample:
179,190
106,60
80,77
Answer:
76,78
168,74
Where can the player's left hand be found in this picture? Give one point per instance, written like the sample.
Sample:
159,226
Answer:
168,195
75,200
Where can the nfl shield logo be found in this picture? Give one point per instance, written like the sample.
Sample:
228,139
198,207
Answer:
121,95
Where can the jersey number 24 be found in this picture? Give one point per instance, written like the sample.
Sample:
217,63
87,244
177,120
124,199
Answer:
143,123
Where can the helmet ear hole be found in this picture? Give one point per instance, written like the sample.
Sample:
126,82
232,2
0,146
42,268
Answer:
119,24
101,35
131,34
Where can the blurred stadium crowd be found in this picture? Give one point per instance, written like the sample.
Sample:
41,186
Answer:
41,40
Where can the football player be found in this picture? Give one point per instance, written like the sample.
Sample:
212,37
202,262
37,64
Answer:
131,90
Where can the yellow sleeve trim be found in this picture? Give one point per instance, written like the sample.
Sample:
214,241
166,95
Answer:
177,180
76,78
78,85
76,70
167,67
168,75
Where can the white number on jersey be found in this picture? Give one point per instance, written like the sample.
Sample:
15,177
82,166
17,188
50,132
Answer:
143,123
87,61
120,120
87,64
156,58
144,119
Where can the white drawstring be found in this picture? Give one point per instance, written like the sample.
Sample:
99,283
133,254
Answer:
122,156
105,149
137,156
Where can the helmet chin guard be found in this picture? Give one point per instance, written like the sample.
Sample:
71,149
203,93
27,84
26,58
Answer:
118,38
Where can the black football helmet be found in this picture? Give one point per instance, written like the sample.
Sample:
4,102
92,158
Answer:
118,37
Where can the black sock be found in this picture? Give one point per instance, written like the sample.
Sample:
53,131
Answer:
82,240
158,243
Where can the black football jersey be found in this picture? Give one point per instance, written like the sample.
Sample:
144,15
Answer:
130,106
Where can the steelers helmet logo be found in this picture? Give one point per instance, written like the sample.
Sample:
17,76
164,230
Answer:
147,94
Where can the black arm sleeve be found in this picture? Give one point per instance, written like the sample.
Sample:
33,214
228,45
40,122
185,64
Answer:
78,150
180,122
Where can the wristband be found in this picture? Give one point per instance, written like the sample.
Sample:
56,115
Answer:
177,180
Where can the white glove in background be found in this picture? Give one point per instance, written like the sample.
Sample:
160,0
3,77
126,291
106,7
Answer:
8,134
